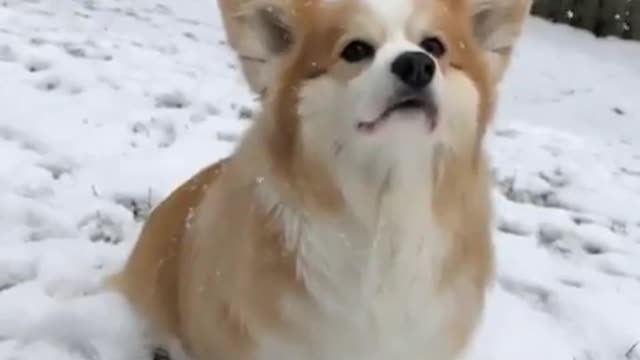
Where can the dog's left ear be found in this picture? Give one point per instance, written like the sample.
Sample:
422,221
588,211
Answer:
497,25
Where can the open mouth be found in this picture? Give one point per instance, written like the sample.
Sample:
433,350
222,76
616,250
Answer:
422,104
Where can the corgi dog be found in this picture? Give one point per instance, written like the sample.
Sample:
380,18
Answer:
353,220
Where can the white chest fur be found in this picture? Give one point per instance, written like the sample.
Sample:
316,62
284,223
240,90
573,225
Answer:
373,291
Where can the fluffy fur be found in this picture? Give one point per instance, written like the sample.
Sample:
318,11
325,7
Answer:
316,240
257,58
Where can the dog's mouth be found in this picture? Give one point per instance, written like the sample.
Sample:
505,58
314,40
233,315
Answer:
408,104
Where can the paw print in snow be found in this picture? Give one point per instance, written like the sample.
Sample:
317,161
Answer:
54,82
37,65
162,131
100,227
49,83
57,167
139,206
7,54
172,100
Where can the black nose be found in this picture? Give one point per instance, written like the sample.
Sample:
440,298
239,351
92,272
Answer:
414,69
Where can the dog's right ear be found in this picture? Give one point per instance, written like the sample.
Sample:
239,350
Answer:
272,24
260,33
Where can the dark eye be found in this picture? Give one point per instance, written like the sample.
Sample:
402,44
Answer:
434,46
357,50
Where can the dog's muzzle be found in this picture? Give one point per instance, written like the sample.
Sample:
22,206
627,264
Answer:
405,101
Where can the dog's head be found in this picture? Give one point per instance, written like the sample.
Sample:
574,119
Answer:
376,83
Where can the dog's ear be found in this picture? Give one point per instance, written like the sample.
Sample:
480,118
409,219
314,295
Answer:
273,25
260,32
497,25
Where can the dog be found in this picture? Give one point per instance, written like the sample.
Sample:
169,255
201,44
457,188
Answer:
354,218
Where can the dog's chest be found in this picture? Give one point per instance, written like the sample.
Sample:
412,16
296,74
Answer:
391,327
368,299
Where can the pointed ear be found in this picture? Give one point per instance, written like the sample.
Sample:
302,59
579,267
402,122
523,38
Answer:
259,31
271,24
497,24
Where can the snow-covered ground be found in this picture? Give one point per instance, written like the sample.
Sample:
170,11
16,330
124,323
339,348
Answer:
106,105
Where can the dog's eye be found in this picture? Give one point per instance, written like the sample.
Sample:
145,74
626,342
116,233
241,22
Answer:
434,46
356,51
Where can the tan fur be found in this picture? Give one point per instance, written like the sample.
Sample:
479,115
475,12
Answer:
500,46
255,58
155,262
242,41
213,266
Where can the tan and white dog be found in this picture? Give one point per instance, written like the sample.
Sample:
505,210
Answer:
353,221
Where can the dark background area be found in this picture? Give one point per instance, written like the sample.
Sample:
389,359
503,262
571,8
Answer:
619,18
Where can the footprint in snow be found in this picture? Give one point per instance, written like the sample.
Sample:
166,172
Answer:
34,65
82,15
14,272
593,249
541,196
190,36
57,167
513,227
534,294
203,112
23,140
140,206
581,219
162,9
587,239
55,83
576,284
103,228
557,178
618,111
162,132
49,83
37,41
86,51
227,136
629,171
42,222
548,234
7,54
172,100
507,133
244,111
90,5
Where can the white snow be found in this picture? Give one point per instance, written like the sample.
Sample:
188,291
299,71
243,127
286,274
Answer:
109,104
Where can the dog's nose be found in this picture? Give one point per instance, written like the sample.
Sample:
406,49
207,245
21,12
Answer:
414,68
